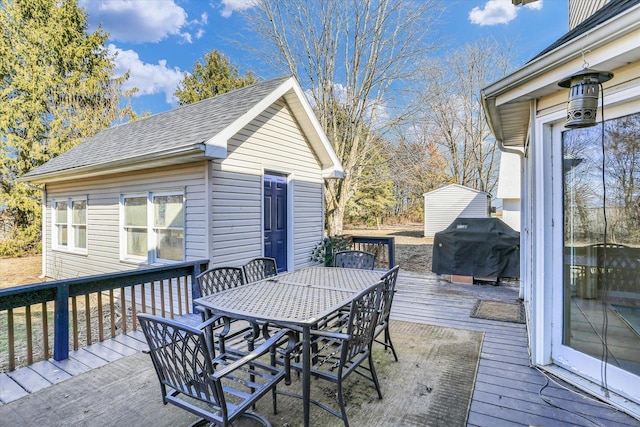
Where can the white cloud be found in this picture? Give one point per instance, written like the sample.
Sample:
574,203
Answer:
140,21
494,12
150,79
536,5
230,6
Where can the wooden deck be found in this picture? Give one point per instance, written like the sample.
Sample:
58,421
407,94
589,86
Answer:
508,392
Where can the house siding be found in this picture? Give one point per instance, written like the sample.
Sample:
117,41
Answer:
272,142
579,10
511,213
444,205
103,221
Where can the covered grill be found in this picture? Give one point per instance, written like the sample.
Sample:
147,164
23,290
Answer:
480,247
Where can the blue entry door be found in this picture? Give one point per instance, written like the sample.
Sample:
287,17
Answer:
275,219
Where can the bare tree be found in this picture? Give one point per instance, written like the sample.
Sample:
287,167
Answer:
452,116
352,55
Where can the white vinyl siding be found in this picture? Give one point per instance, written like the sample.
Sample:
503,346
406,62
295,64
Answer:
511,213
103,216
272,142
444,205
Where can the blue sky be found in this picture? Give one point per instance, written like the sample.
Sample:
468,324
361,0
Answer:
158,40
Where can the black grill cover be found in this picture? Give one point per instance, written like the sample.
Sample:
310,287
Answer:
480,247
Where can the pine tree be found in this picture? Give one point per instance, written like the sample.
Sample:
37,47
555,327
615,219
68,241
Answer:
56,88
213,77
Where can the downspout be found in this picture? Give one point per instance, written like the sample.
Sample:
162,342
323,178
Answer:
521,153
43,191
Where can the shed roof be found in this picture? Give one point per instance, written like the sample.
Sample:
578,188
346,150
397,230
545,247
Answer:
191,132
455,186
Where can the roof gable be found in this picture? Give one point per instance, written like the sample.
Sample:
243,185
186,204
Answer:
194,131
456,187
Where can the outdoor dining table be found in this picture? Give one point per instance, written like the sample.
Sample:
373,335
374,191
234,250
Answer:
297,299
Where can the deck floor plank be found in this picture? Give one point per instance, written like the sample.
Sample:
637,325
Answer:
50,372
29,379
10,390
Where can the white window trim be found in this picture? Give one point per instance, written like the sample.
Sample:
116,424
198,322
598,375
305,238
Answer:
69,247
151,257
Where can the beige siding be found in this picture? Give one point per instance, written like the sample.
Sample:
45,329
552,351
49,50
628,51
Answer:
103,222
271,142
579,10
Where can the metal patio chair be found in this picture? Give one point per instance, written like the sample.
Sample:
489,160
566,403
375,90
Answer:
338,353
189,371
382,325
218,279
260,268
354,259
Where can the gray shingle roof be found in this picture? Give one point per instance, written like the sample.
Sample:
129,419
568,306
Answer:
608,11
182,127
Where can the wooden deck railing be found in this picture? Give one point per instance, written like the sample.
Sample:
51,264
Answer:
90,309
382,247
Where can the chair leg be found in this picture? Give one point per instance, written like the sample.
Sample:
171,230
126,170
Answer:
341,402
374,376
388,343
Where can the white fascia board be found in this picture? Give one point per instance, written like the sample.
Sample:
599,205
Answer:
334,169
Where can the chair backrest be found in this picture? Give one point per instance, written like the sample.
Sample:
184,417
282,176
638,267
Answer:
363,316
388,290
182,360
259,268
219,279
355,259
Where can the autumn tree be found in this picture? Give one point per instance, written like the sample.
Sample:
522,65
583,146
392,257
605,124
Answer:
452,115
350,55
215,76
417,167
56,88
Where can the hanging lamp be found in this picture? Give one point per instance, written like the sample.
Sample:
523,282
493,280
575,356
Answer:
584,88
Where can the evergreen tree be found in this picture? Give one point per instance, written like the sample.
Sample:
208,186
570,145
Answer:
56,88
213,77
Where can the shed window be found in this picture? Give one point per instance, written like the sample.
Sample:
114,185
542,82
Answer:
70,225
153,227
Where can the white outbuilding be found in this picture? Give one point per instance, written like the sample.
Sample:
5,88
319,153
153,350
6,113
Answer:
509,189
453,201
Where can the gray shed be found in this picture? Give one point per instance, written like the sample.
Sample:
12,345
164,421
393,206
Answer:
453,201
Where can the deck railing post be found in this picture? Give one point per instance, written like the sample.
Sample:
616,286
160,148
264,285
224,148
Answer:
392,252
195,289
61,323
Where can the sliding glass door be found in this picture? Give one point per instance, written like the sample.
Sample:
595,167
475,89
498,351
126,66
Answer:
600,335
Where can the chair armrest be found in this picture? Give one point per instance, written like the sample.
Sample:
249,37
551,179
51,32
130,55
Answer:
329,334
208,322
266,346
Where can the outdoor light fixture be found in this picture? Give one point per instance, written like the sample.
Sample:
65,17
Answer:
583,96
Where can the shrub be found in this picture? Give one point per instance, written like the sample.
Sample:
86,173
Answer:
324,250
